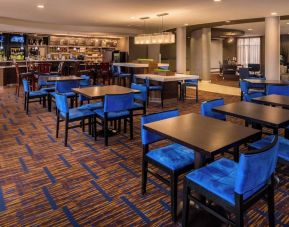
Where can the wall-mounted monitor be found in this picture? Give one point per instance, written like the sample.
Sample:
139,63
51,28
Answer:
2,38
17,39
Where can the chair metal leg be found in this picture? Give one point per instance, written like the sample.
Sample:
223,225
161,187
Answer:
174,196
162,99
57,125
125,125
131,126
186,204
95,128
89,126
25,99
144,177
286,133
105,132
27,104
44,102
236,154
239,219
271,209
66,132
83,125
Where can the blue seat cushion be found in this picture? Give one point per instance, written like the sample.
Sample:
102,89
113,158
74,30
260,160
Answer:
92,106
283,152
155,87
68,94
112,115
77,113
173,156
124,75
37,93
137,105
48,89
217,178
191,83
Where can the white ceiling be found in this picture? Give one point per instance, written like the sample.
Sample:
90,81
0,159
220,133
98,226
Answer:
258,28
114,16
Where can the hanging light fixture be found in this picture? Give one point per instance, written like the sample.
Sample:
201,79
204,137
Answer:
155,38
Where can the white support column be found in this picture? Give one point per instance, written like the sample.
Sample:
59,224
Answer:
181,64
272,48
201,53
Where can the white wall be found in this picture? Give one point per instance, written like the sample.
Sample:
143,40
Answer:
216,53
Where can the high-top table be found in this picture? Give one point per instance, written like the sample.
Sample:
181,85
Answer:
268,116
206,136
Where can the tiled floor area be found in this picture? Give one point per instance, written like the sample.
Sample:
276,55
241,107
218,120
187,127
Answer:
43,183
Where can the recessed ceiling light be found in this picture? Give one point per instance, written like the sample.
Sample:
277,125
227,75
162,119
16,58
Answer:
274,13
287,23
132,17
250,29
40,6
217,0
186,24
228,21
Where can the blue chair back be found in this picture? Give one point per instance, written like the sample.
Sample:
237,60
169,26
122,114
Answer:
244,73
149,137
249,97
26,86
114,70
66,86
117,103
192,82
244,85
255,168
85,82
278,90
207,109
61,103
142,96
254,67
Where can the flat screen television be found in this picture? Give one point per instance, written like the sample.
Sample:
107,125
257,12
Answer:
17,39
2,38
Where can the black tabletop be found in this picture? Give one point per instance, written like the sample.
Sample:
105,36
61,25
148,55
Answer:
205,135
101,91
276,100
268,82
261,114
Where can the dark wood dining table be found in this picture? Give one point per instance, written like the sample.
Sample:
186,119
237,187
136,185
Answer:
268,82
273,100
206,136
62,78
95,92
268,116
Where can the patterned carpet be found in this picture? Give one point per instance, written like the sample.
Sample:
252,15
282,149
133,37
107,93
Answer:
43,183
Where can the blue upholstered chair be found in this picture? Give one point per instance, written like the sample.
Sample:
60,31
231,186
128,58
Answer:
174,159
140,99
85,82
283,151
277,90
191,83
116,107
153,87
45,85
30,95
207,109
249,97
122,76
244,73
246,89
70,115
65,88
234,186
